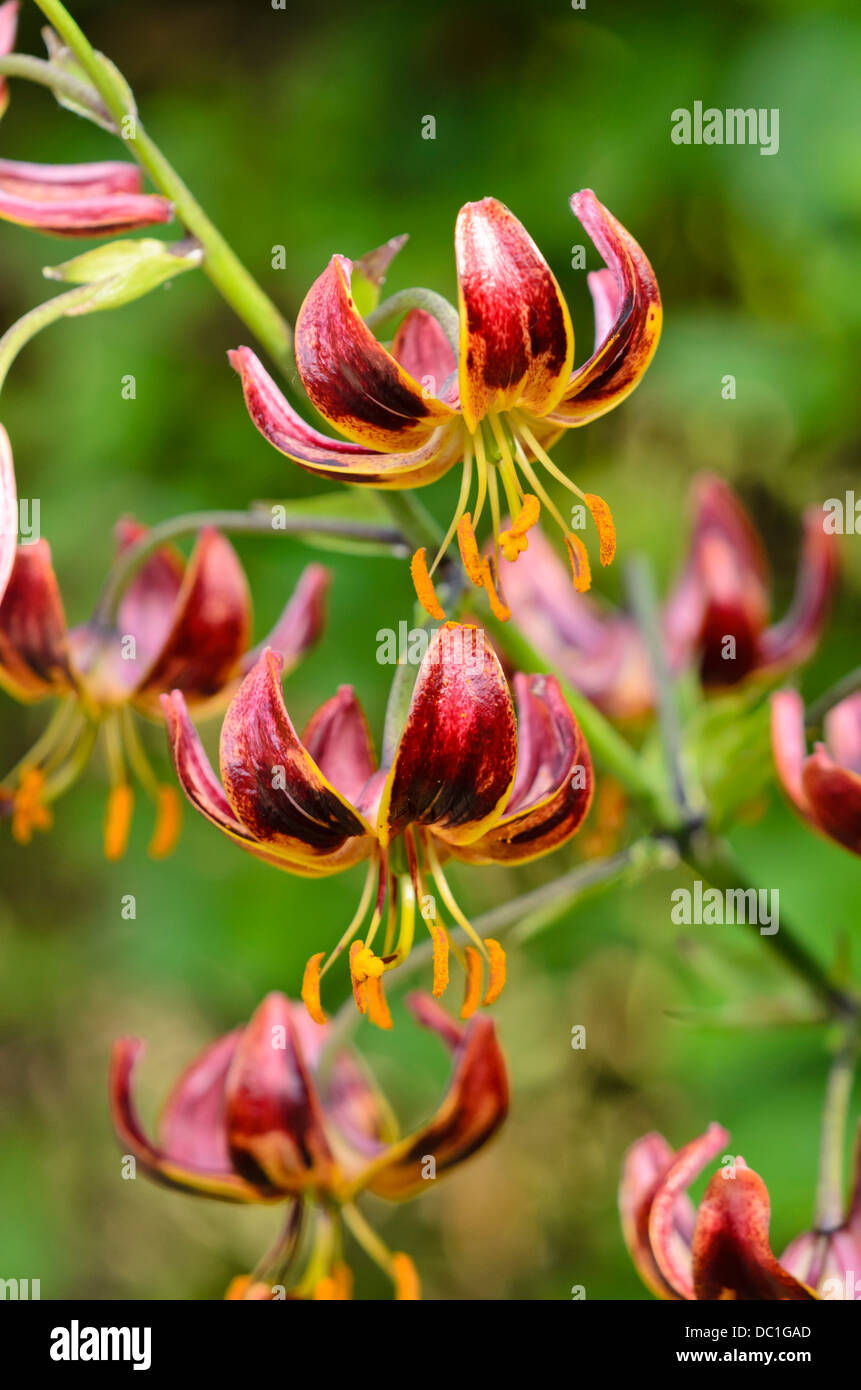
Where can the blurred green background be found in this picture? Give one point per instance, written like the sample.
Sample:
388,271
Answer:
304,129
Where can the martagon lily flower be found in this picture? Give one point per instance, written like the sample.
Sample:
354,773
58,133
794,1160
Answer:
495,396
177,625
465,778
825,785
719,1250
717,614
256,1118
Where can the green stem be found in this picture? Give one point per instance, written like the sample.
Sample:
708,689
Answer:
47,74
838,1093
255,522
412,519
640,585
220,263
845,687
385,318
21,332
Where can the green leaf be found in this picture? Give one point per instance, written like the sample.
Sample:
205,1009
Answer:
125,270
369,274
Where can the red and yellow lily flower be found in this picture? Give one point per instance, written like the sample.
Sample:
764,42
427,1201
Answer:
825,785
177,625
257,1119
723,593
494,395
719,1250
467,779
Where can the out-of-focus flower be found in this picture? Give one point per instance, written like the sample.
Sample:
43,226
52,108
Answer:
715,617
824,785
718,1250
717,614
8,511
595,647
8,33
176,626
494,392
466,779
78,199
830,1260
256,1118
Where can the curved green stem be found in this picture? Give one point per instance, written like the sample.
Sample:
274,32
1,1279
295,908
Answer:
47,74
385,318
838,1093
255,522
31,323
220,262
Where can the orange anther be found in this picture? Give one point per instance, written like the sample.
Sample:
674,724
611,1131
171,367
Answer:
603,519
405,1278
168,822
496,980
425,591
579,563
472,996
117,822
468,546
311,988
490,577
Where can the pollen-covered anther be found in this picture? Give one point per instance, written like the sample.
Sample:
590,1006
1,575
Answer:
405,1278
469,552
337,1286
366,970
603,519
496,971
472,993
29,811
439,937
168,823
513,541
311,988
423,584
118,820
493,588
579,558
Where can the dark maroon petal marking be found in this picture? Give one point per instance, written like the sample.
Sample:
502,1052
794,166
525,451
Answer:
351,379
34,651
516,341
456,757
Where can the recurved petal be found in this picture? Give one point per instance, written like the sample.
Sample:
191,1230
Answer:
192,1126
475,1105
670,1243
274,786
356,1107
352,380
337,737
8,31
516,339
78,199
796,637
275,1125
789,744
627,319
34,650
553,789
645,1166
843,732
732,1257
423,350
204,1181
455,761
301,622
723,589
146,609
204,790
8,496
834,796
210,626
341,460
